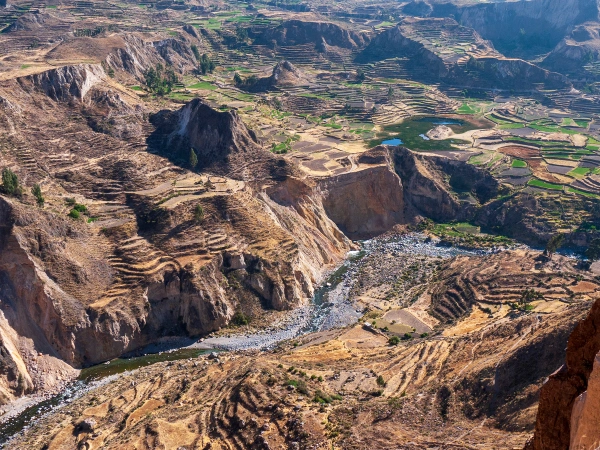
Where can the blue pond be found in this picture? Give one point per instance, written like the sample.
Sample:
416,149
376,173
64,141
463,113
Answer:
394,141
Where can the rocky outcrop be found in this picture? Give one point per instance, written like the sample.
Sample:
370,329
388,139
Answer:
567,417
284,74
66,83
298,32
581,47
220,140
424,188
418,8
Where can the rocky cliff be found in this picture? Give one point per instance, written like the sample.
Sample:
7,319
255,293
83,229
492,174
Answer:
221,141
576,50
567,414
369,201
298,32
522,27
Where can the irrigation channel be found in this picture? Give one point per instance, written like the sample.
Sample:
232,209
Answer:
329,308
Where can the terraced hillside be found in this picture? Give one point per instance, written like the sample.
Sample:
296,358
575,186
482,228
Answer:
479,378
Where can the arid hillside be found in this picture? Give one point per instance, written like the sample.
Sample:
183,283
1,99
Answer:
472,381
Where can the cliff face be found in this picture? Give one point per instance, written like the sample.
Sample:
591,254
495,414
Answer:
298,32
567,413
65,83
576,50
523,26
220,140
367,202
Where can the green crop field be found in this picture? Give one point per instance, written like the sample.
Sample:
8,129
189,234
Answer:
579,172
205,85
545,185
518,164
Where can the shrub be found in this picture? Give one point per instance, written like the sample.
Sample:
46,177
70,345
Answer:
74,214
394,340
193,160
240,318
206,65
424,335
198,213
80,208
10,182
195,51
36,190
381,381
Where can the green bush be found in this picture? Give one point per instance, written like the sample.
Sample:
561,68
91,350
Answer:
10,182
74,214
36,190
159,80
198,213
80,208
240,318
394,340
381,381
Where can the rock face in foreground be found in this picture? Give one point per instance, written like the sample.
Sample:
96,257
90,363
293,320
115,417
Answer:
568,411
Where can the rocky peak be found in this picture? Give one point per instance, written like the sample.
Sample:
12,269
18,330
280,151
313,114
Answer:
285,73
221,141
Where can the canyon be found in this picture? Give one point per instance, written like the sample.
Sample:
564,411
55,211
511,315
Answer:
370,186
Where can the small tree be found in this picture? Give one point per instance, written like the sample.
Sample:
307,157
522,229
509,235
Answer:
360,75
206,65
195,51
10,182
553,244
36,190
193,161
593,251
198,213
394,340
380,381
237,79
528,296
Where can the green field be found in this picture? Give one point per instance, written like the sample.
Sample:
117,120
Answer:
585,194
518,164
579,172
545,185
466,108
203,85
511,126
